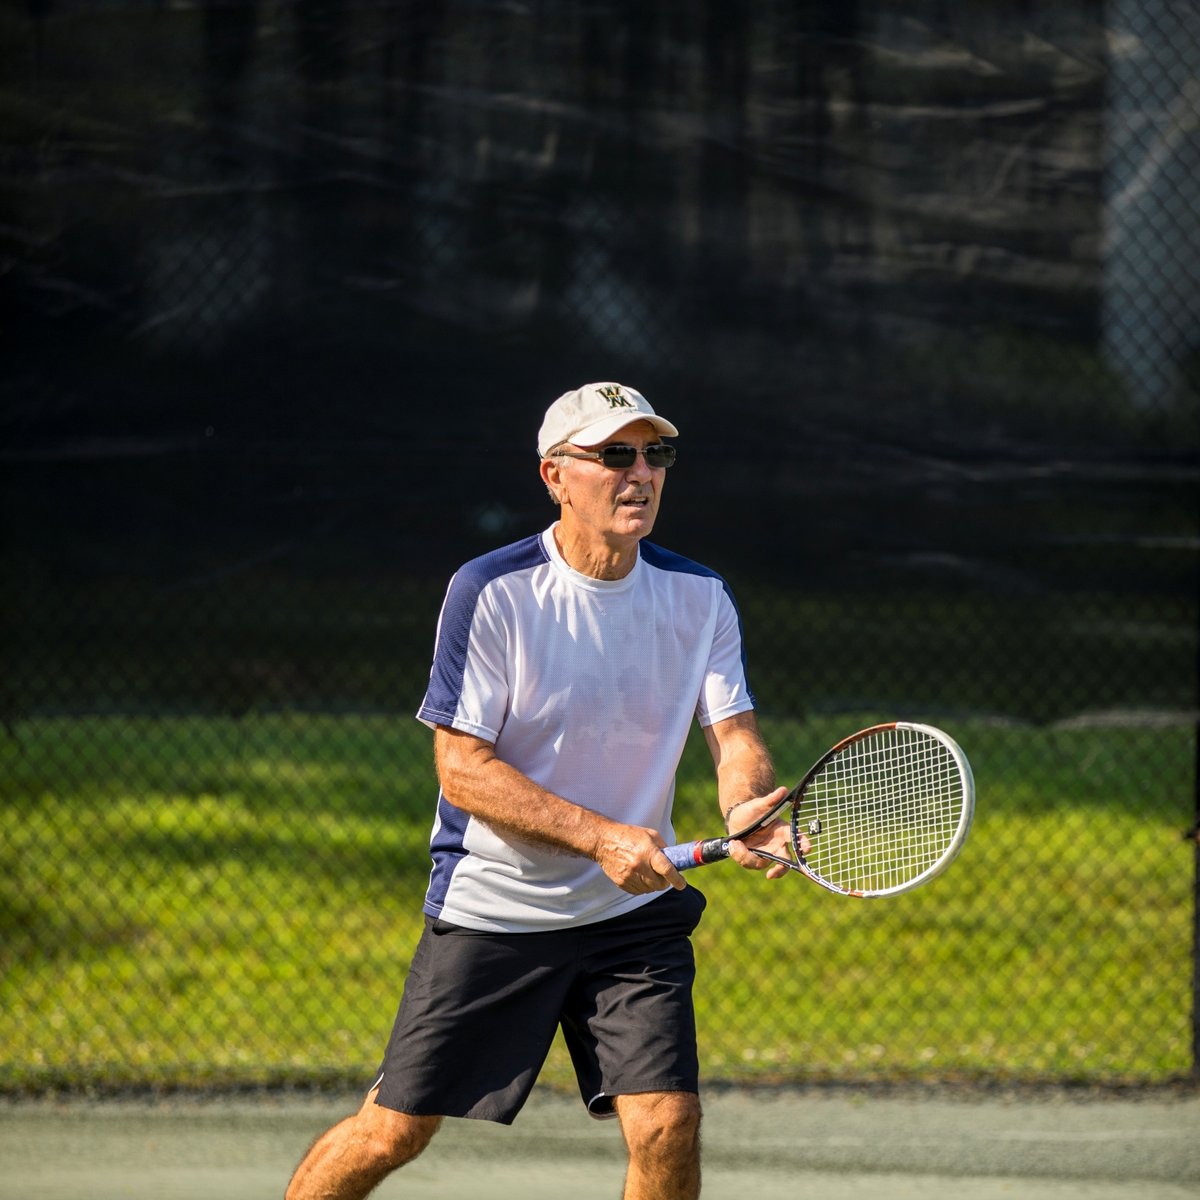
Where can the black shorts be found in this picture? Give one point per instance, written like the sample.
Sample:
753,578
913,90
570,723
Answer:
480,1011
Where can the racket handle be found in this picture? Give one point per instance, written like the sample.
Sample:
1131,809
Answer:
687,855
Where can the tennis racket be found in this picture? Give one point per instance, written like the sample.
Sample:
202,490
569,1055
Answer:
884,811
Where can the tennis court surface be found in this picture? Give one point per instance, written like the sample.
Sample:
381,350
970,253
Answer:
833,1143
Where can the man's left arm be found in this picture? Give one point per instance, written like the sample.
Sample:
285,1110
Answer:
746,790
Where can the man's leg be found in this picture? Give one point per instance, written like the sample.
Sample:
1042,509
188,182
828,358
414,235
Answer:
662,1134
349,1160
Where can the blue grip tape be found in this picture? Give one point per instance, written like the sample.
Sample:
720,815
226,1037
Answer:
684,856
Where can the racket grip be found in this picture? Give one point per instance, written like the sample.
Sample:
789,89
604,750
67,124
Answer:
687,855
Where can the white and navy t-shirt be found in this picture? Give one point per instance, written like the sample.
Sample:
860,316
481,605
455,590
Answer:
589,687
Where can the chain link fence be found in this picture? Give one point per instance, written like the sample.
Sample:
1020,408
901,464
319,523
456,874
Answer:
285,291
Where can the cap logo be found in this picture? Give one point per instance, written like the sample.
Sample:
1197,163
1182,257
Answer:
615,400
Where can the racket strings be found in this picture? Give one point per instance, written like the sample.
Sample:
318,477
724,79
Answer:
888,808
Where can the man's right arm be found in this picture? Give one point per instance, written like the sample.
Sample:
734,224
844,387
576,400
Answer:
473,778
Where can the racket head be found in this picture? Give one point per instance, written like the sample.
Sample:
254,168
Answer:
885,810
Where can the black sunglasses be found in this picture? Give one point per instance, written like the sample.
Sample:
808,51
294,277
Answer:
620,458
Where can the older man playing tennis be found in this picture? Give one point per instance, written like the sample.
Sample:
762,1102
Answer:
567,671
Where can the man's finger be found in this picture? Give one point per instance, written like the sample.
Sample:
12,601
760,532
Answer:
664,867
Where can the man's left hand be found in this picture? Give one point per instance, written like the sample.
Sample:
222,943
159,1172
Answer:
774,836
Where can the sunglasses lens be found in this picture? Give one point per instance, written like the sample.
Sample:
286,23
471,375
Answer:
623,457
618,456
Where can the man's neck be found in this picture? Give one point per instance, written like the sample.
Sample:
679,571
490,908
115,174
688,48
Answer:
597,559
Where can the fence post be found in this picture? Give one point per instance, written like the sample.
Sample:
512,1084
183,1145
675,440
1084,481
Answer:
1195,840
1194,836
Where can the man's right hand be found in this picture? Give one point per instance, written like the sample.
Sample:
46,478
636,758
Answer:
631,856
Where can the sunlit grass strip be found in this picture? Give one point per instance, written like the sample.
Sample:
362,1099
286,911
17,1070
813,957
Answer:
195,901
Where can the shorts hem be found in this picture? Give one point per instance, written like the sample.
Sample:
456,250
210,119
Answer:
602,1106
497,1117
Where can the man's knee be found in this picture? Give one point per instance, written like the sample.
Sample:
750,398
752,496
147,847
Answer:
360,1152
393,1138
661,1125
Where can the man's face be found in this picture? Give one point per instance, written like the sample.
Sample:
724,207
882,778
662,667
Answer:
613,503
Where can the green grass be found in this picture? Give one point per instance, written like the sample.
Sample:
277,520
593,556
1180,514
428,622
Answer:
206,901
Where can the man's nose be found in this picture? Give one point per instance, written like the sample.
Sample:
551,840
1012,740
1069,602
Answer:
641,468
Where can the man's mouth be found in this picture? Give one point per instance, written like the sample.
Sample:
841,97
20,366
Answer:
634,501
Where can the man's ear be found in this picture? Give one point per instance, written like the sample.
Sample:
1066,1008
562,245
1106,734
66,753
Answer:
553,477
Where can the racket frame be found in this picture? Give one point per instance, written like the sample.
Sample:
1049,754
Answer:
710,850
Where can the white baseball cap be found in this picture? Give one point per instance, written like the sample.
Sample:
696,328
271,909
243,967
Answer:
594,412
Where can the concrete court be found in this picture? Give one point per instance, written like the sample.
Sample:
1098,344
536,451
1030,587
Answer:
760,1144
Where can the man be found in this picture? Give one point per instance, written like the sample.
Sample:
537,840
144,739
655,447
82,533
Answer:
567,671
